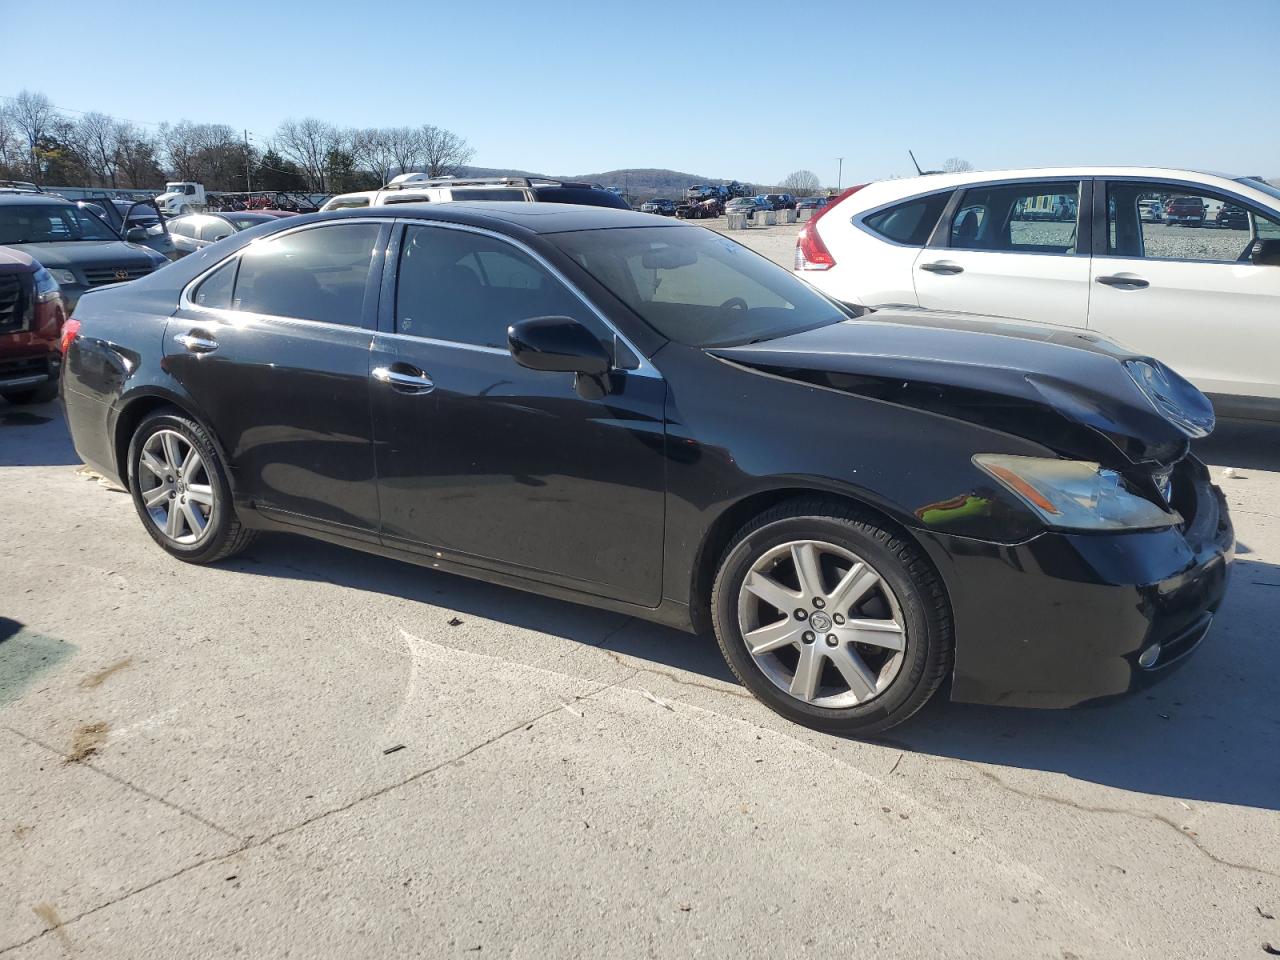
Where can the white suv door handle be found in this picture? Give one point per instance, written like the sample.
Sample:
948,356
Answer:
1125,282
942,266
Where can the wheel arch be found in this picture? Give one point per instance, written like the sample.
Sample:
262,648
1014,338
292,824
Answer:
738,514
137,406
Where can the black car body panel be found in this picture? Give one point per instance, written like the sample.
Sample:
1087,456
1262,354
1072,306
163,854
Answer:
625,497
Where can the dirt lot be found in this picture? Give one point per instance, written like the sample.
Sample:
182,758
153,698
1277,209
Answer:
309,752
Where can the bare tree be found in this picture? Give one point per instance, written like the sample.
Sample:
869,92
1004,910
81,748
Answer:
405,146
956,165
371,149
443,151
11,152
138,158
801,183
97,137
307,143
33,115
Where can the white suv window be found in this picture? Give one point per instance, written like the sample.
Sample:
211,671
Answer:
1018,218
1165,222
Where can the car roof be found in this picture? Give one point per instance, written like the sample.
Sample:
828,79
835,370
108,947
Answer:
29,198
538,218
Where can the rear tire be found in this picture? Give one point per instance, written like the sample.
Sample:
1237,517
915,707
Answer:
878,660
41,394
180,490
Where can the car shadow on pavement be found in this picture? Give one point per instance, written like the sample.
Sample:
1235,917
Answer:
34,435
1207,732
1247,444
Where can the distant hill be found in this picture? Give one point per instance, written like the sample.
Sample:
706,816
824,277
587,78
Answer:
641,183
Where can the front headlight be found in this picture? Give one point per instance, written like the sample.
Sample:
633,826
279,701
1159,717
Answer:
1075,494
65,277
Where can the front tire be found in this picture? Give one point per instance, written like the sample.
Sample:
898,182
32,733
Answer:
180,490
832,619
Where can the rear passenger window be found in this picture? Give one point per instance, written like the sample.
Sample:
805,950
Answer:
468,288
214,291
316,274
909,223
216,229
1018,218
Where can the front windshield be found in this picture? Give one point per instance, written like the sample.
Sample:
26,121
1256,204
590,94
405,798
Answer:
697,287
50,223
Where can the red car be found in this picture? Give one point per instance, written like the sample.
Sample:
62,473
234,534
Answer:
32,316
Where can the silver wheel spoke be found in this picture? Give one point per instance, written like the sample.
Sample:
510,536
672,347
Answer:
775,636
173,522
155,496
771,592
190,462
808,672
195,520
876,633
148,460
201,493
172,456
805,556
853,587
856,674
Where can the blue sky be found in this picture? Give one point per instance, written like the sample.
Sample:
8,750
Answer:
724,89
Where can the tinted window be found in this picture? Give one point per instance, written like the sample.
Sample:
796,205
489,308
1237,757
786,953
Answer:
910,222
585,196
214,291
468,288
1153,221
49,222
316,274
348,203
1018,218
698,287
484,193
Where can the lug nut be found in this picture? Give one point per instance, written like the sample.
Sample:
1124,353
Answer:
801,615
838,618
808,636
832,640
819,602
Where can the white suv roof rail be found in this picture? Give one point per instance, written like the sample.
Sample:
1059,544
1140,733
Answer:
406,181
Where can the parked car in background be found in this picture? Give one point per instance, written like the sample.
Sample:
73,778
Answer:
645,416
659,205
810,203
125,216
80,249
747,205
1232,217
1202,299
32,314
419,188
1151,211
197,230
1184,210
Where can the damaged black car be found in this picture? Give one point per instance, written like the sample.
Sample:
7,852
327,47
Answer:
653,419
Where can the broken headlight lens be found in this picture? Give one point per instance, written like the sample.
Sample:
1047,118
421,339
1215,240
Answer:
1075,494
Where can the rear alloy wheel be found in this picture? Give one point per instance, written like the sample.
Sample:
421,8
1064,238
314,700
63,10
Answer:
180,490
831,619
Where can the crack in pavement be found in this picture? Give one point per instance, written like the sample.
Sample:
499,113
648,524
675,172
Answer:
244,845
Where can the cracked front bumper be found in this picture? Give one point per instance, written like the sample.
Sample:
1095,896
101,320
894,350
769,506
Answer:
1064,617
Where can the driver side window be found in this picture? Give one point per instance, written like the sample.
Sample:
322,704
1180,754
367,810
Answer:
1160,221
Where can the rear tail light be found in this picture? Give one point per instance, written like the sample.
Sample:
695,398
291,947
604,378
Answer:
70,330
811,252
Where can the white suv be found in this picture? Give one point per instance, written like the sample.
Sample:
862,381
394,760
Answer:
419,188
1077,247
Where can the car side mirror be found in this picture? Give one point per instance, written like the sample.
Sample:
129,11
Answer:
1266,253
136,234
557,344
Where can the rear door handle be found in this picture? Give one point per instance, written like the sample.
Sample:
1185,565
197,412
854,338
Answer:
943,267
404,378
197,341
1125,283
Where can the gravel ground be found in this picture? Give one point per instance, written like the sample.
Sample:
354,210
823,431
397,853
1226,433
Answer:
310,752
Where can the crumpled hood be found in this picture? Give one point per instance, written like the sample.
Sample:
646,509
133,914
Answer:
1066,389
81,253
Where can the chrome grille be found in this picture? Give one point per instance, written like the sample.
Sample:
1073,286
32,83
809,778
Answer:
97,276
13,306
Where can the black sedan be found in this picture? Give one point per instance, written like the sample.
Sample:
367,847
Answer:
648,417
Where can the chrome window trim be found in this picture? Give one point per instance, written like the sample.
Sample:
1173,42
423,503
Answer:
645,369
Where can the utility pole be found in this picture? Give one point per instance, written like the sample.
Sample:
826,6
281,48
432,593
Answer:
839,173
248,164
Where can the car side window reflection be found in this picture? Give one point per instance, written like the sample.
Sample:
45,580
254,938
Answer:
1018,218
215,290
468,288
314,274
1164,222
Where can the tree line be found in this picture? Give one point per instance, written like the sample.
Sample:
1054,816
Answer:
38,143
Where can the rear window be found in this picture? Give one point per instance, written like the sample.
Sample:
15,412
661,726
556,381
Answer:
486,193
909,223
584,196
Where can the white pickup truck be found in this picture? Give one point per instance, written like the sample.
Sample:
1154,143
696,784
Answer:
182,197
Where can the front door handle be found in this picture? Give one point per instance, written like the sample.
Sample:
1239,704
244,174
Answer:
1122,282
404,378
197,341
942,267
